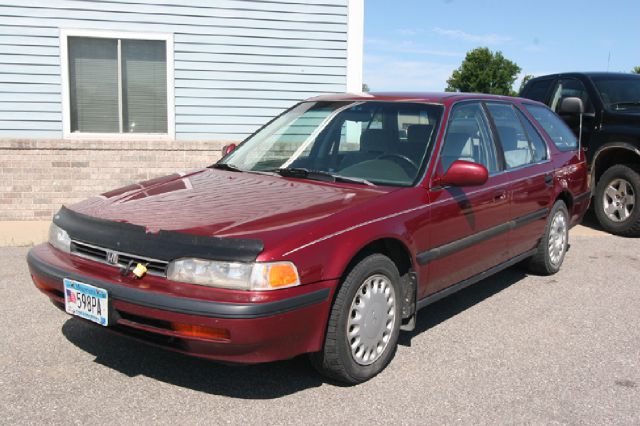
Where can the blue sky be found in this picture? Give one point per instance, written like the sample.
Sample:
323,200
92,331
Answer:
416,44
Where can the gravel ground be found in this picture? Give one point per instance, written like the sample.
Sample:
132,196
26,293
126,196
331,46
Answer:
512,349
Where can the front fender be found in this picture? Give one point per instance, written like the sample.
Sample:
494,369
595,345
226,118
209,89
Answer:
328,257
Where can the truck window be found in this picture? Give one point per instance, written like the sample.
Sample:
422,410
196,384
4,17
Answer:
619,93
537,90
570,88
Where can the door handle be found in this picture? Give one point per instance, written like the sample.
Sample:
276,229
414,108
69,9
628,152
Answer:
548,179
500,196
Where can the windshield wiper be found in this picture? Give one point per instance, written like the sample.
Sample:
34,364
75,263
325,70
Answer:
300,172
226,166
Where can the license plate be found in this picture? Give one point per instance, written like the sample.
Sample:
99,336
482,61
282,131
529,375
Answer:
86,301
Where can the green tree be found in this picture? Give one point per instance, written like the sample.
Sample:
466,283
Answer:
525,79
636,70
484,71
365,88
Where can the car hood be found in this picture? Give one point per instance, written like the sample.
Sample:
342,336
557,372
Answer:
227,204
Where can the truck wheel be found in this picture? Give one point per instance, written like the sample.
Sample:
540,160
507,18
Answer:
553,244
617,200
364,323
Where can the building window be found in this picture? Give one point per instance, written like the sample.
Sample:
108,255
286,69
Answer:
117,84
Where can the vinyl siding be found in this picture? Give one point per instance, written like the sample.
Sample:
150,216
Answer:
237,63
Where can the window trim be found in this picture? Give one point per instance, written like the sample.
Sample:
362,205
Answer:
65,33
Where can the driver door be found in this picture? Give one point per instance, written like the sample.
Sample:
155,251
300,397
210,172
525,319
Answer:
466,235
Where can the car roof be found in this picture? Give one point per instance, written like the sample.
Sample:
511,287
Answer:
427,97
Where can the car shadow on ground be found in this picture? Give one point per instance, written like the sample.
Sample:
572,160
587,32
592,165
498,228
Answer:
456,303
264,381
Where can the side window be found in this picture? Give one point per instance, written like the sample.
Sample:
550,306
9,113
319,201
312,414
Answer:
468,138
537,90
562,137
538,145
570,88
514,140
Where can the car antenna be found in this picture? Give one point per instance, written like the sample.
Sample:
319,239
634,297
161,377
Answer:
580,137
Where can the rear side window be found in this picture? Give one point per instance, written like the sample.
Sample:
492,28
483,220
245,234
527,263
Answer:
537,90
560,134
513,137
538,145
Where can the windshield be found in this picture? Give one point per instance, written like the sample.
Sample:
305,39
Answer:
382,143
619,93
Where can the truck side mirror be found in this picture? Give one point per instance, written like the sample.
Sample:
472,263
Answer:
574,108
571,106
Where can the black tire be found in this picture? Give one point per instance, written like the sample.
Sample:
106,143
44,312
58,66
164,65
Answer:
630,227
541,263
336,360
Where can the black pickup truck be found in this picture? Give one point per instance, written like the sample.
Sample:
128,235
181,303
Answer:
603,109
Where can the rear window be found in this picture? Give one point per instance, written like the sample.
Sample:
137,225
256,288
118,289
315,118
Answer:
537,90
560,134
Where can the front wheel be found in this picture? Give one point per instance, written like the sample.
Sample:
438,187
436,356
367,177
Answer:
616,201
554,242
364,323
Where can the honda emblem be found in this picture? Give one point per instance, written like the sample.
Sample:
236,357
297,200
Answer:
112,257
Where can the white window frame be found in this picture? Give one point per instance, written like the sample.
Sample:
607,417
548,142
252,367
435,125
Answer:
355,45
64,74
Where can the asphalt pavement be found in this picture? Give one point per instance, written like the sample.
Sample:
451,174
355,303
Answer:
513,349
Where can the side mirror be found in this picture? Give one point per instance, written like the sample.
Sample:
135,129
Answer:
465,173
571,106
228,149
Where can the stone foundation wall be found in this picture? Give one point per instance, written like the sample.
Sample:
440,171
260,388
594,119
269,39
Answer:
38,176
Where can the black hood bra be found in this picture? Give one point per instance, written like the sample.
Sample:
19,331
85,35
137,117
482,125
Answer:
163,245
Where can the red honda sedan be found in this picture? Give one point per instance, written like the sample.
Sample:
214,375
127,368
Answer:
325,232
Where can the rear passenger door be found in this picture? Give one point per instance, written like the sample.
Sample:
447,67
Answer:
466,226
529,172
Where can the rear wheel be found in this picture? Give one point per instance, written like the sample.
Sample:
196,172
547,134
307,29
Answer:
364,323
617,201
554,243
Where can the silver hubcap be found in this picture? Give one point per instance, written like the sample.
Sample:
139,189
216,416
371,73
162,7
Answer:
557,238
371,319
618,200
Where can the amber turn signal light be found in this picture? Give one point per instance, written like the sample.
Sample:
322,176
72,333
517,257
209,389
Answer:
200,331
282,275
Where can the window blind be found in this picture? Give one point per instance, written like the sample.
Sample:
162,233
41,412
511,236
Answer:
144,86
93,84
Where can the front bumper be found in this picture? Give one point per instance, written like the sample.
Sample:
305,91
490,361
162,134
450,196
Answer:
288,323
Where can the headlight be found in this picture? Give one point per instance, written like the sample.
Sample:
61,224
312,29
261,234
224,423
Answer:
59,238
235,275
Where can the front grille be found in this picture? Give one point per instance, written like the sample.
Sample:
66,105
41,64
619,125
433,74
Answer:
107,256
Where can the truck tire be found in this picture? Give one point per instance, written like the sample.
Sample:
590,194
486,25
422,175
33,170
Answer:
617,201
